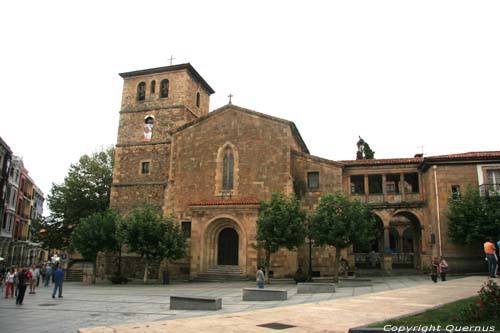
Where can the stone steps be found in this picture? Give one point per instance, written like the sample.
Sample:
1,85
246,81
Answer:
73,275
222,273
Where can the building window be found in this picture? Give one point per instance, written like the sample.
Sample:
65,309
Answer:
375,184
392,183
186,228
227,170
141,91
148,128
198,99
358,184
153,87
411,182
494,179
455,191
313,180
145,168
164,85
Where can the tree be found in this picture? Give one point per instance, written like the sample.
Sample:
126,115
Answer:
340,222
85,190
473,218
94,234
281,224
152,236
364,151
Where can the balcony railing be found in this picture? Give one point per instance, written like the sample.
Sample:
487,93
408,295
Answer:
489,190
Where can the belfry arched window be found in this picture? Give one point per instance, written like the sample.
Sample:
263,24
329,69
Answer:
228,170
164,86
141,91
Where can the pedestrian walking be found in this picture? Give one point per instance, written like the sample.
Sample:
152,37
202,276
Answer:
33,278
259,277
443,268
48,275
490,252
58,282
434,269
23,281
9,283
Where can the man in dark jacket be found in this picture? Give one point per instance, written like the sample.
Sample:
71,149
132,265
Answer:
23,280
58,281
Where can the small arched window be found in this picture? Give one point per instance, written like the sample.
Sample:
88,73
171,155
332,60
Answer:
197,99
164,88
141,91
227,170
148,128
153,87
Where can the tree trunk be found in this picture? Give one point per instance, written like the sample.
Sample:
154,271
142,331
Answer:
268,265
119,268
145,272
336,266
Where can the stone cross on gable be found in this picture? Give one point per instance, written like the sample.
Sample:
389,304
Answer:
171,59
230,96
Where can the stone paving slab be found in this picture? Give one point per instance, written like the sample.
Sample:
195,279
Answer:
336,315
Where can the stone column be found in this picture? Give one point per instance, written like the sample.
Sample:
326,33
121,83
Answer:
402,186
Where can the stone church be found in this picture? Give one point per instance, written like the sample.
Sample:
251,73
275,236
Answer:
212,169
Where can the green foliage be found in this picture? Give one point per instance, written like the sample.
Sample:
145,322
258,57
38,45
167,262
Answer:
340,222
85,190
364,151
473,218
487,307
94,234
152,236
281,223
49,232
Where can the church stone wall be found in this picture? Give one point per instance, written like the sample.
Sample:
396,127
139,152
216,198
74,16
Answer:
330,178
461,257
263,158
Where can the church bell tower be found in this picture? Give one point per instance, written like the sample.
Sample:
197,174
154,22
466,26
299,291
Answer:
154,102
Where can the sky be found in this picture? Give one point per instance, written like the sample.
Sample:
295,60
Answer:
406,76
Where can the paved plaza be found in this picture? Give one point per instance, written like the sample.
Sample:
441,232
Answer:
86,306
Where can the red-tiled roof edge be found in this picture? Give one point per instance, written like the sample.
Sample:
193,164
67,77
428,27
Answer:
469,155
221,202
412,160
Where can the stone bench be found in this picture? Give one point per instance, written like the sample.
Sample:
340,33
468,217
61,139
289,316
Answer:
195,303
356,282
258,294
315,288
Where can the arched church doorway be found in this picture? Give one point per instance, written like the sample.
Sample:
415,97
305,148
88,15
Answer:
227,247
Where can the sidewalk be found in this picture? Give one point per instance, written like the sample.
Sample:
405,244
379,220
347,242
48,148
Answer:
327,316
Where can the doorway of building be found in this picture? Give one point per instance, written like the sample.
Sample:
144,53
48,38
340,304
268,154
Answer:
227,250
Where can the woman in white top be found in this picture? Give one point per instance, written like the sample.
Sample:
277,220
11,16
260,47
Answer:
9,282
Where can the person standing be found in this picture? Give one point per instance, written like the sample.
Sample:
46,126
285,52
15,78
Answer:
23,280
259,277
443,268
9,283
58,282
434,269
33,278
48,275
490,252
